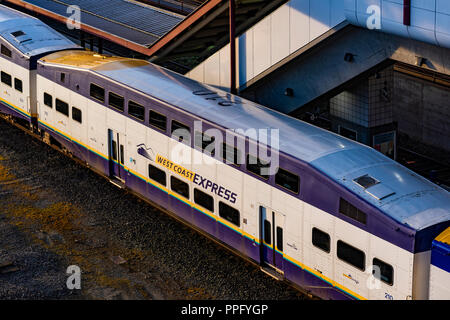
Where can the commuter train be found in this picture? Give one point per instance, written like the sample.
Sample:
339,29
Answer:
336,219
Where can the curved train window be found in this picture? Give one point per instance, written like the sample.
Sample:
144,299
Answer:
158,120
97,92
203,141
6,78
5,51
157,174
231,154
116,101
383,271
181,132
18,85
180,187
287,180
257,166
351,255
48,100
204,200
136,110
77,115
352,212
321,240
62,107
229,214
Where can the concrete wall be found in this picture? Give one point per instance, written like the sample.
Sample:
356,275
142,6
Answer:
422,110
368,104
281,33
322,70
430,19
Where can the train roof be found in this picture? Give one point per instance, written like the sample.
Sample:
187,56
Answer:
440,251
444,237
394,189
29,35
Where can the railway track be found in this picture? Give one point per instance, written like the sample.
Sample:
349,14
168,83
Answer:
431,169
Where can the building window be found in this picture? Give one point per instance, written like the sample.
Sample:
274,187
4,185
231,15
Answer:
77,115
5,51
204,200
6,78
136,110
62,107
352,212
287,180
351,255
230,214
18,85
257,166
179,187
181,132
230,154
321,240
48,100
157,174
158,120
97,92
63,77
116,101
386,271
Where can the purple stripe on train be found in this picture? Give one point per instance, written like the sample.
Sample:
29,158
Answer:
246,246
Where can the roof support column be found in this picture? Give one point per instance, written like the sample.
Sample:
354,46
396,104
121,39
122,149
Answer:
407,12
83,42
232,48
100,45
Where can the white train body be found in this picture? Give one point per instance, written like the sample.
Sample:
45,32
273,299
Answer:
313,221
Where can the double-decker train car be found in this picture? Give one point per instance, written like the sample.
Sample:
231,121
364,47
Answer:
440,267
23,40
335,218
332,211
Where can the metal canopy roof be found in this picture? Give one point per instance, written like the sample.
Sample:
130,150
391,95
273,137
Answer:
174,41
206,30
125,22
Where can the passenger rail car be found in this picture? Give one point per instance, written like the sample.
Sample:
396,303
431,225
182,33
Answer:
440,267
337,219
23,40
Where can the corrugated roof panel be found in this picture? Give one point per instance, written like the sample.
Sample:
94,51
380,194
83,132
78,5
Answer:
140,24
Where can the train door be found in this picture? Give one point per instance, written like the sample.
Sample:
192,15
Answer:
272,238
21,99
78,119
320,250
116,150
